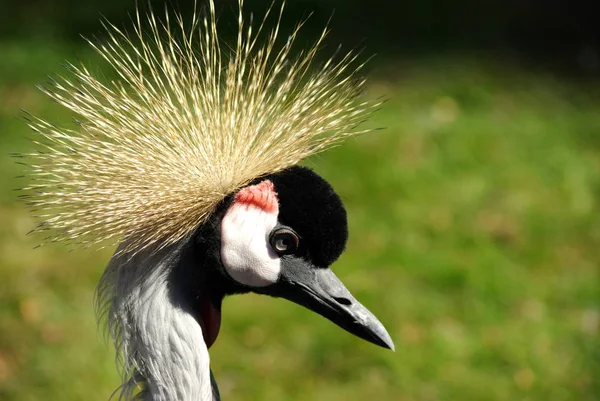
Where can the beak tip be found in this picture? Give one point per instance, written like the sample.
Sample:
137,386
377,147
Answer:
380,335
386,342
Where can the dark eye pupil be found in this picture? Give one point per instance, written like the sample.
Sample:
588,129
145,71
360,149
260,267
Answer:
282,244
285,242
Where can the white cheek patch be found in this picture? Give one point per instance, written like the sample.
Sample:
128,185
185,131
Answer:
245,249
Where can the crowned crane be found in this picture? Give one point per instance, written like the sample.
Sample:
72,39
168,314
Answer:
190,160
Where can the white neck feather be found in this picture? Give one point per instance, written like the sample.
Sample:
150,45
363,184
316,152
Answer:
160,344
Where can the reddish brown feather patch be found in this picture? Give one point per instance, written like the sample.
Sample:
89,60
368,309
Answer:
262,195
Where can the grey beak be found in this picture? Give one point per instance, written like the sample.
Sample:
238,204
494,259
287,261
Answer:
319,290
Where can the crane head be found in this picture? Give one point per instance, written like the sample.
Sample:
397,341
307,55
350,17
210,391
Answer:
278,237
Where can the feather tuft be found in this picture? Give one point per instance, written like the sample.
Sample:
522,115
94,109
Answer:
188,122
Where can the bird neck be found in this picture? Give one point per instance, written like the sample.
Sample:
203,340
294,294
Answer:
159,341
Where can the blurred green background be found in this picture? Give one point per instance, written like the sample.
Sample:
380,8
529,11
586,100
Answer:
474,216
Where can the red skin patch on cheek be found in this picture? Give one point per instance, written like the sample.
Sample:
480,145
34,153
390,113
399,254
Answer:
262,195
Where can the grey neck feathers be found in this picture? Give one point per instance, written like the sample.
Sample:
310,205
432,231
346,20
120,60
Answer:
159,343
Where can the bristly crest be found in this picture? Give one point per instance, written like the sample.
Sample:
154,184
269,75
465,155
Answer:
188,122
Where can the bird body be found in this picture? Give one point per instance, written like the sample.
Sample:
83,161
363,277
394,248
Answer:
157,334
189,160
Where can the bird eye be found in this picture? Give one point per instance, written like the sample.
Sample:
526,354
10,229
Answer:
284,241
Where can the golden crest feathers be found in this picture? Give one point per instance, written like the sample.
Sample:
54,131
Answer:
188,122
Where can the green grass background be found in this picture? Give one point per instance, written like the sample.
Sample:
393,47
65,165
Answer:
474,236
